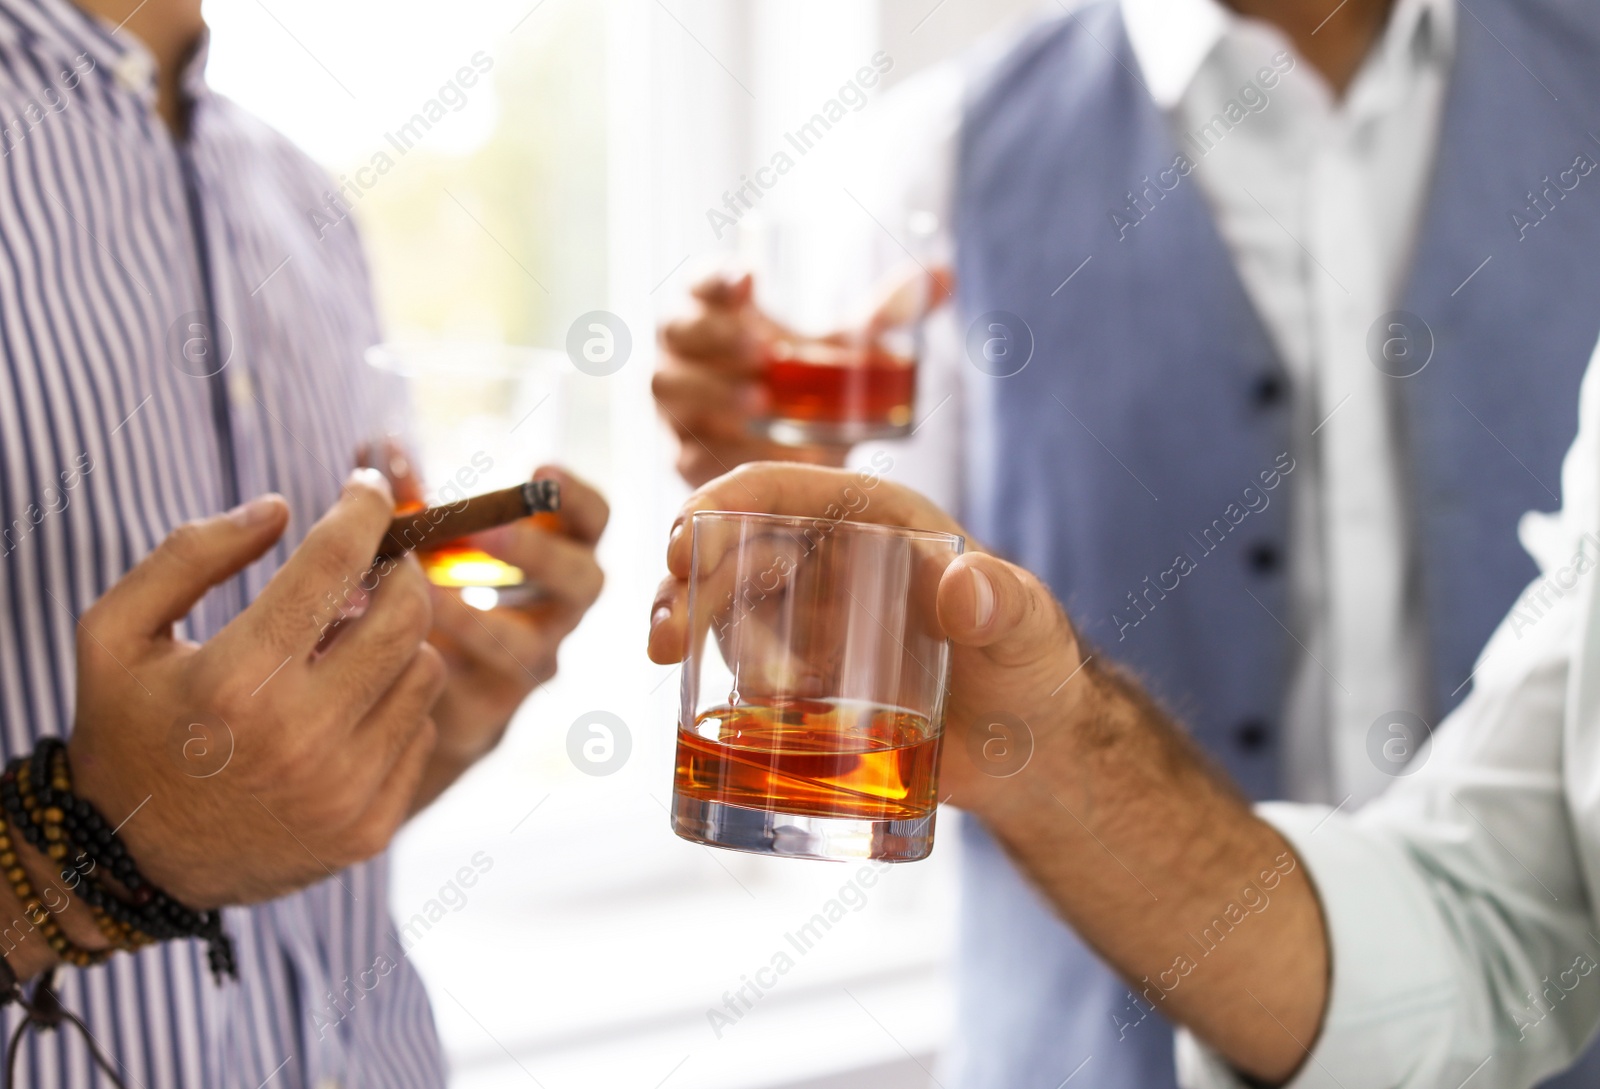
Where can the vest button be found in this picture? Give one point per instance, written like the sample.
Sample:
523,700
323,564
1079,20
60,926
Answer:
1269,390
1252,735
1264,558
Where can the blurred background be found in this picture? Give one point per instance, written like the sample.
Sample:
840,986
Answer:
576,174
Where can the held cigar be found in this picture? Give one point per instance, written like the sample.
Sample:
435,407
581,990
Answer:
432,527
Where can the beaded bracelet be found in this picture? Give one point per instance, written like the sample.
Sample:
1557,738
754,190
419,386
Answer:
148,913
58,824
62,826
36,793
34,910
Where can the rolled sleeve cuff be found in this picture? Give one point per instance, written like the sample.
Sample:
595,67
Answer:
1390,1008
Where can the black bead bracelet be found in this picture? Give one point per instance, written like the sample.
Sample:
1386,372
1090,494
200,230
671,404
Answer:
36,794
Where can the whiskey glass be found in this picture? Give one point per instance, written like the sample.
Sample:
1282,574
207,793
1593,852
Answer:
814,688
839,358
452,419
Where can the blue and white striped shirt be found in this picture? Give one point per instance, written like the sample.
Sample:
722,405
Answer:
116,242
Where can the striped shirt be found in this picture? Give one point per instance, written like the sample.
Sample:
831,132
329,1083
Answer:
121,418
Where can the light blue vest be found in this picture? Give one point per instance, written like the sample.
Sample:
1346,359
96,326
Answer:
1175,393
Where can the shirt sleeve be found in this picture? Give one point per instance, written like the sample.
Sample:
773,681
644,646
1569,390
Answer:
1457,908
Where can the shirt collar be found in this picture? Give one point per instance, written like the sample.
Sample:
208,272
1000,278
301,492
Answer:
66,31
63,29
1171,39
1420,32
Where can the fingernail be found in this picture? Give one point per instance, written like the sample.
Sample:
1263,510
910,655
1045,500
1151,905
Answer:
982,598
659,617
253,513
677,531
372,478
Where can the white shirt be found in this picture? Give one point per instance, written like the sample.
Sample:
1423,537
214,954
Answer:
1461,905
1319,202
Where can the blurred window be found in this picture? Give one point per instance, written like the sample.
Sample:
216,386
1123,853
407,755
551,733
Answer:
513,166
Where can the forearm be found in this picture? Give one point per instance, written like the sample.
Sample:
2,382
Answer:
1164,870
1116,817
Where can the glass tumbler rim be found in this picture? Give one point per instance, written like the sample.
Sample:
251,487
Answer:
956,540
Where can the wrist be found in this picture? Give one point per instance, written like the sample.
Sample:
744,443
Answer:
23,944
25,951
60,898
1076,738
80,845
104,785
26,926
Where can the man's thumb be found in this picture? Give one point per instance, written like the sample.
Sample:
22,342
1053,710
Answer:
196,556
986,602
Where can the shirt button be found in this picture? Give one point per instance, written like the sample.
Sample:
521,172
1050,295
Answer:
1264,559
1269,390
135,72
241,390
1252,735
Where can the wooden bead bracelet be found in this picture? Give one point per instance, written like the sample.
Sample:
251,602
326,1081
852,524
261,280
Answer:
36,795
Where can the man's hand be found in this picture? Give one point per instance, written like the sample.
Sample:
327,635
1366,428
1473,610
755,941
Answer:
497,658
708,386
1013,645
291,744
1114,815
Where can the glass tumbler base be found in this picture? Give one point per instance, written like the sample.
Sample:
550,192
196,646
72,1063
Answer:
795,835
846,433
